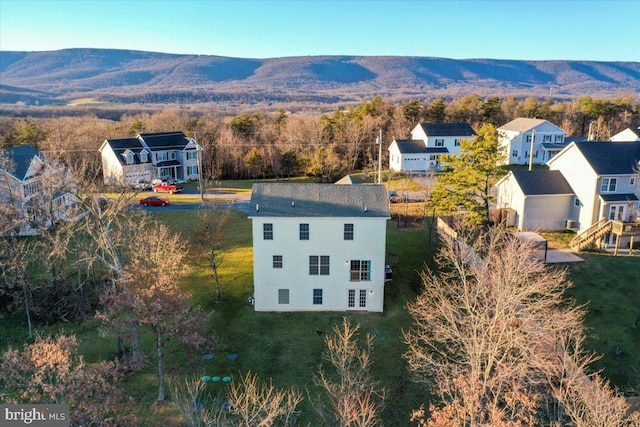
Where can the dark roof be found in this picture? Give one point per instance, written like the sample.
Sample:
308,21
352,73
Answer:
319,200
611,158
553,145
169,163
124,143
436,150
447,129
20,159
165,140
628,197
542,182
410,146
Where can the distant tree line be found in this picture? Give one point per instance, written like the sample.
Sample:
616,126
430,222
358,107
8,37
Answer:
323,145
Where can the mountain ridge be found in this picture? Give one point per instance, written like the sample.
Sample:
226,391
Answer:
131,76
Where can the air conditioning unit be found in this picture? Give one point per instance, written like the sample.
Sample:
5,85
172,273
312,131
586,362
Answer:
571,224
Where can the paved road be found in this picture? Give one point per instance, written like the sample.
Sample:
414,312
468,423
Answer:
237,201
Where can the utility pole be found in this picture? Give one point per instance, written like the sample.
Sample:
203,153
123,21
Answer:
379,142
533,138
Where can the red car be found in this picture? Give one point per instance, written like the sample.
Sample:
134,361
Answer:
154,201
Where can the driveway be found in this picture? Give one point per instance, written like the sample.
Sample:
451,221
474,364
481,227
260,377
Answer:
237,201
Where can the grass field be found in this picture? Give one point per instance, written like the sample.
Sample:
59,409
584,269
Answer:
287,349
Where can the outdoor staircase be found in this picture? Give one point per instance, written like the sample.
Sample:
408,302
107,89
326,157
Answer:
591,234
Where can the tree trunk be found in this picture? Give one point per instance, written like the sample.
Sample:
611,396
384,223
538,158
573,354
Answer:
160,365
214,265
26,306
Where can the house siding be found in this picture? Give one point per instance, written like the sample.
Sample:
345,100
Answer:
584,182
325,238
547,212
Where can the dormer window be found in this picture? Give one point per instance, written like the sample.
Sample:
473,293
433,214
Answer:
129,157
143,157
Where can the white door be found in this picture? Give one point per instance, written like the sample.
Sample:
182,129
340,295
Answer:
618,213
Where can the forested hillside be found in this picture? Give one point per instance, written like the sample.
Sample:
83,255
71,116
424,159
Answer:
130,77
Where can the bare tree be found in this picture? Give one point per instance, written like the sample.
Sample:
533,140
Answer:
495,338
354,398
207,239
253,403
155,264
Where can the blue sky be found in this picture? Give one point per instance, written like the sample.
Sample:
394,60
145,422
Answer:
601,30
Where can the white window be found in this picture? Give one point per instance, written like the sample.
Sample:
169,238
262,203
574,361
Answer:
144,157
514,153
348,232
172,155
558,138
546,138
192,155
283,296
528,138
456,142
360,270
319,265
129,157
632,181
192,170
433,157
304,231
31,188
161,157
267,231
277,261
317,296
439,142
576,202
608,185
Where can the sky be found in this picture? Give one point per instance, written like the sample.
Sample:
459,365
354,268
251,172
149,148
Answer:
595,30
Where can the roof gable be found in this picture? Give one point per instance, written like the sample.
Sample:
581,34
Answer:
318,200
542,182
20,159
447,129
611,158
523,124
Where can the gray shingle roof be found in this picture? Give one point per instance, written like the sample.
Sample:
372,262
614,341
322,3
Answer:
447,129
521,124
319,200
542,182
411,146
611,158
20,158
165,140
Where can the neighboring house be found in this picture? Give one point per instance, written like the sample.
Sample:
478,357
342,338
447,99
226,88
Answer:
627,135
35,192
541,199
534,140
603,180
604,177
167,155
428,141
319,247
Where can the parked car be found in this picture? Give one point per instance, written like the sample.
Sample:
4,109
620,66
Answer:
154,201
393,196
167,187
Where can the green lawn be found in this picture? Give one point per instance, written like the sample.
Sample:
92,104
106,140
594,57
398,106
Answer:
286,347
609,287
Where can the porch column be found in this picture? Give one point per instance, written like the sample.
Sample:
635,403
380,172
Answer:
631,245
615,251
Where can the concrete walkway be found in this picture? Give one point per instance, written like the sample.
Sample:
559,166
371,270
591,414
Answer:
559,256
